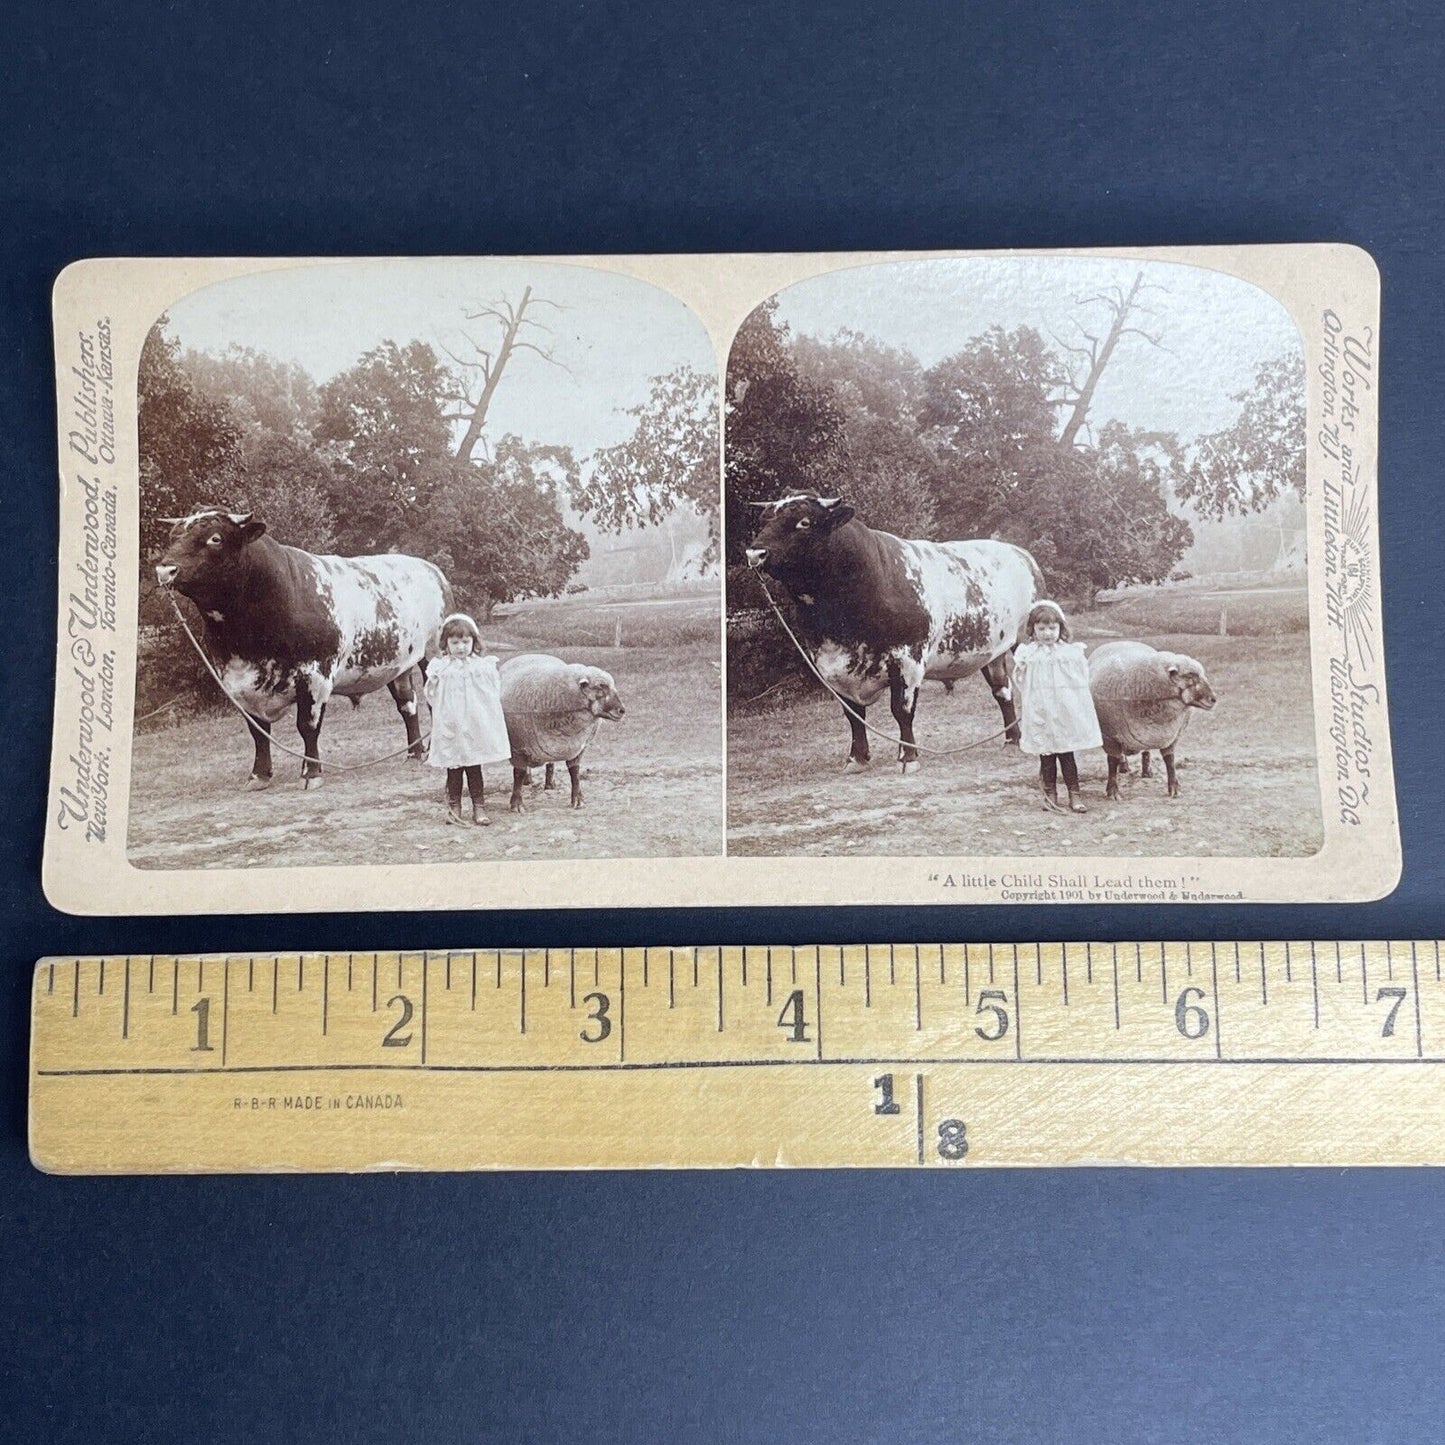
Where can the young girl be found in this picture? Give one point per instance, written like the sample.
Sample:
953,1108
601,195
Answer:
1056,708
468,729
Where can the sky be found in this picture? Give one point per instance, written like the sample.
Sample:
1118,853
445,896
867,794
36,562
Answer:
613,333
1215,329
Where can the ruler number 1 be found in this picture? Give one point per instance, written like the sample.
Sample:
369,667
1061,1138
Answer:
202,1010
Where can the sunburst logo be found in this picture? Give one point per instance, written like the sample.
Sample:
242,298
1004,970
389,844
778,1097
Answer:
1352,586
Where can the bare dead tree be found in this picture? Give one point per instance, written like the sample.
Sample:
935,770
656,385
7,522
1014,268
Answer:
1094,354
481,373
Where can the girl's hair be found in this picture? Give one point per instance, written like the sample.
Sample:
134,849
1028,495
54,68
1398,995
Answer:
460,625
1049,612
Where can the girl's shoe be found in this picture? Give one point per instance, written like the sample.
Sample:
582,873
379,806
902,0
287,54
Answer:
1076,804
1051,800
480,818
454,812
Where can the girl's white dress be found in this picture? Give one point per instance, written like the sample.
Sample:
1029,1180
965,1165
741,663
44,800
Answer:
1056,709
467,725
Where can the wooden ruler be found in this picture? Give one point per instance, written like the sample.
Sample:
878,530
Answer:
943,1056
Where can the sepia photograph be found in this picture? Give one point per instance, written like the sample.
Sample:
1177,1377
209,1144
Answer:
1017,564
429,570
706,580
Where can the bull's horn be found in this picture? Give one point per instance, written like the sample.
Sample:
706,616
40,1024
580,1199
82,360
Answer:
171,521
829,501
239,518
762,505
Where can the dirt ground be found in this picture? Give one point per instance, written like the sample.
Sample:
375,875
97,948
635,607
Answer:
1248,778
652,782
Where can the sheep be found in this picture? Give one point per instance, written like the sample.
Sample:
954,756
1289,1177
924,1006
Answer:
1143,697
552,709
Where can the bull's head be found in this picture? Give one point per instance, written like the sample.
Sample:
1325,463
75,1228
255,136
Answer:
792,542
1188,676
599,692
204,554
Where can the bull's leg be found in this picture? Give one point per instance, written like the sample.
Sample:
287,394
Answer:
1145,768
311,698
403,694
1111,790
903,702
574,771
1168,755
858,753
549,784
519,781
999,674
261,768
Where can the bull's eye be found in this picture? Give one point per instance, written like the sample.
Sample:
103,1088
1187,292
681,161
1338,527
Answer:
214,540
804,523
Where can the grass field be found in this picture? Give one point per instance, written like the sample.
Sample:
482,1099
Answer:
652,782
1249,786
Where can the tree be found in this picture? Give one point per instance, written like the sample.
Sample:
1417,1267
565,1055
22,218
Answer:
263,393
988,418
882,464
482,373
1083,380
783,430
382,424
670,460
188,441
1261,456
496,527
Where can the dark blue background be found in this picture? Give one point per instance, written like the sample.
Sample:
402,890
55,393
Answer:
1072,1306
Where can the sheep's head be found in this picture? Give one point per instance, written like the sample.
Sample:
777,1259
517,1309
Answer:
599,692
1188,676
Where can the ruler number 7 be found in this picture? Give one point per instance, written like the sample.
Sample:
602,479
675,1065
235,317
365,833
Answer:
1398,994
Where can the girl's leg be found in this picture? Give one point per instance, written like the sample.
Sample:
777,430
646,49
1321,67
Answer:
1070,769
1049,781
476,788
454,795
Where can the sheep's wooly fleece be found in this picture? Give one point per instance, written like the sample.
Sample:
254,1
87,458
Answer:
1136,699
535,689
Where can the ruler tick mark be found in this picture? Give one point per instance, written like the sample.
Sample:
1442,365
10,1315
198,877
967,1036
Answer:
349,961
892,978
1389,964
373,982
449,971
1263,978
175,985
1315,984
276,985
101,989
671,979
867,976
250,975
1114,950
325,993
1214,976
1288,966
524,992
1138,964
1064,965
793,956
745,964
818,985
425,973
1089,962
719,992
150,976
225,1007
51,986
1415,979
917,991
474,986
770,975
125,1003
1163,975
942,966
75,1003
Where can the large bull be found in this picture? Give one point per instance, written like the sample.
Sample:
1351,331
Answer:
879,614
288,628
